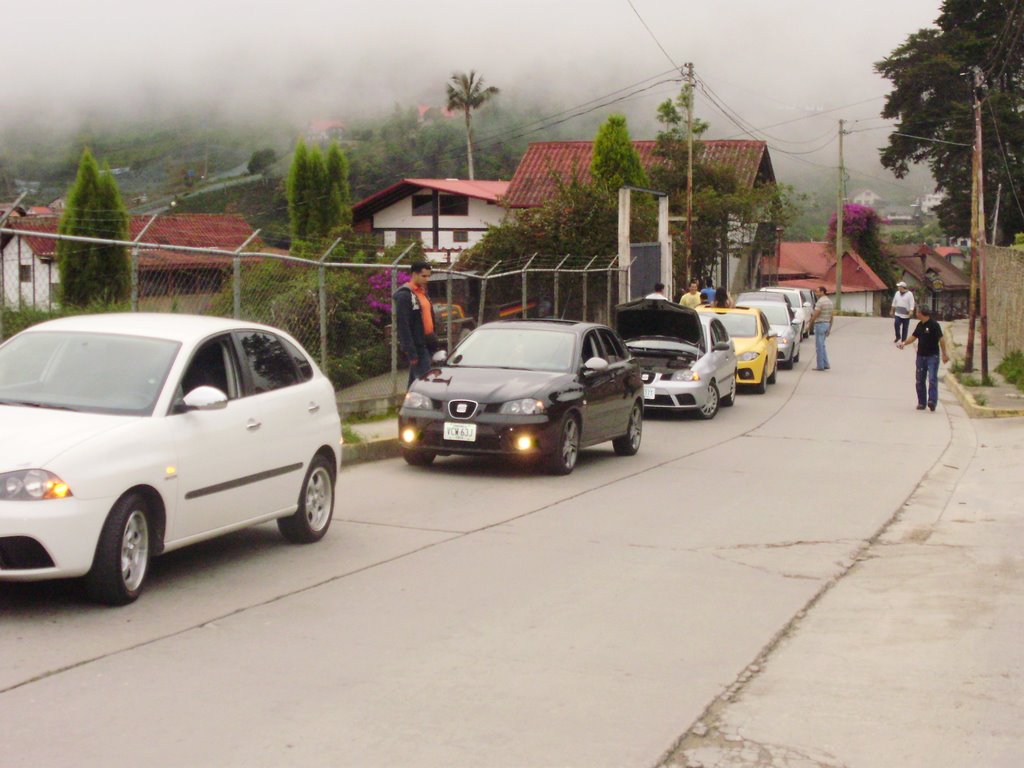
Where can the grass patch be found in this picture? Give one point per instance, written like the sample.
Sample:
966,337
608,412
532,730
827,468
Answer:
956,367
1012,368
980,399
371,418
349,435
968,379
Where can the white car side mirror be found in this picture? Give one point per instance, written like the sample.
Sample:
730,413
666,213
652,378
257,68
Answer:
206,399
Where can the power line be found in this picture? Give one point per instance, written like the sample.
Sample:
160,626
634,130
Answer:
1006,163
653,37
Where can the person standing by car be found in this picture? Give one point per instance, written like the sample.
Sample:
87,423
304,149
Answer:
708,292
821,321
414,320
902,310
692,297
931,341
659,292
722,298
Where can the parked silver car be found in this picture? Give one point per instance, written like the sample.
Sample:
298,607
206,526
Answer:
687,360
788,338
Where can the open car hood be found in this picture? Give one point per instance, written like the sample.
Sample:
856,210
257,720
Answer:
657,317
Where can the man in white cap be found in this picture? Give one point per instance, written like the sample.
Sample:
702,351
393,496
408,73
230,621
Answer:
903,307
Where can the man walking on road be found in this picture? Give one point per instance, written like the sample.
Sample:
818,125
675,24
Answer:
821,321
902,310
928,334
412,313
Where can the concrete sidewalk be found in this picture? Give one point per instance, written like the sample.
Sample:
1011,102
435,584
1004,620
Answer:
1000,399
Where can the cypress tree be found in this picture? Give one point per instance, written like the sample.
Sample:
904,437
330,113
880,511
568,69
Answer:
337,174
615,161
91,272
298,192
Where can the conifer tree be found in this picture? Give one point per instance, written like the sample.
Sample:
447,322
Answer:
615,161
93,273
298,189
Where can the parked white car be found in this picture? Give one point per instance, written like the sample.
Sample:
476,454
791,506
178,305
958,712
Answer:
129,435
802,309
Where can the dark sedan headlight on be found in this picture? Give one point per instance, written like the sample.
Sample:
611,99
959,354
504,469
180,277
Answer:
417,401
525,407
32,485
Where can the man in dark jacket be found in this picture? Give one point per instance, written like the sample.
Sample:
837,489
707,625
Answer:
409,320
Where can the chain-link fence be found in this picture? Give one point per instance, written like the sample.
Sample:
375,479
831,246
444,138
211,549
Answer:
341,312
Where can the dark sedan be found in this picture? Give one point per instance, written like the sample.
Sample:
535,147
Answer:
541,389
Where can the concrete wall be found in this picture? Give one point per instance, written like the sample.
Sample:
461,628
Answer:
1005,284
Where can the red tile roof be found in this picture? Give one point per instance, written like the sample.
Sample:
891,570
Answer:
808,265
533,181
191,230
490,191
916,260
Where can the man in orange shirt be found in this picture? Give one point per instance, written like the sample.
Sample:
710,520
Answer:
413,315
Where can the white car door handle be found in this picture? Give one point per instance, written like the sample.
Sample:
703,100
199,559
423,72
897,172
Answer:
252,425
313,407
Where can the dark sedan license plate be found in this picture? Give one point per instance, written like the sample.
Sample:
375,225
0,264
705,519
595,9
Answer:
463,432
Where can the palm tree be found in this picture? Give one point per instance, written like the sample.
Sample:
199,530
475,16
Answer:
467,92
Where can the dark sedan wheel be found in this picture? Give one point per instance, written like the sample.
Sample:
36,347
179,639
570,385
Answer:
122,553
563,459
629,443
710,407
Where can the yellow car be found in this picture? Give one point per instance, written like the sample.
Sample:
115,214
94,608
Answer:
757,354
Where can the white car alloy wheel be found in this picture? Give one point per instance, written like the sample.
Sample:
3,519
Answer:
311,520
122,553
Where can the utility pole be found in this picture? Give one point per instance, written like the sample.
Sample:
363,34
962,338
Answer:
977,241
689,170
840,213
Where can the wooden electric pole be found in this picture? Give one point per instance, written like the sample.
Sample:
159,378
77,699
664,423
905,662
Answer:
977,242
840,214
689,172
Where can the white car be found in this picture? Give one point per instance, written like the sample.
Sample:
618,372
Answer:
129,435
802,309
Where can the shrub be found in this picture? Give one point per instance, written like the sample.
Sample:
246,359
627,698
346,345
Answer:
1012,368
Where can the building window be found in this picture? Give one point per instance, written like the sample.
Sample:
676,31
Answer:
422,205
454,205
460,236
25,273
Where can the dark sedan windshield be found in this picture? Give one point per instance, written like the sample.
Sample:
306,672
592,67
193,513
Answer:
526,348
95,372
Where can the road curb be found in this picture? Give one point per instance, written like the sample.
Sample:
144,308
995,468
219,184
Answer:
974,410
373,450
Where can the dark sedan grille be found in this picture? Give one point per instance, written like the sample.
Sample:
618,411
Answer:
462,409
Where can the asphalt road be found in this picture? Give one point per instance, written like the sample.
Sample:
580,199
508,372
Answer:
475,614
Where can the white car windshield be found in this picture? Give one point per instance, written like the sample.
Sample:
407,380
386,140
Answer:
535,350
93,372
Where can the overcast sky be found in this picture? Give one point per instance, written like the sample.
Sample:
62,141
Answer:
803,62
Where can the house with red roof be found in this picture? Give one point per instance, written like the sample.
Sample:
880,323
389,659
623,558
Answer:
445,215
546,163
30,275
935,280
812,264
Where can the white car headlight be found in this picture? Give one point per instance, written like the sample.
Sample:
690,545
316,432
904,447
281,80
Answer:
418,402
687,375
31,485
783,341
747,356
525,407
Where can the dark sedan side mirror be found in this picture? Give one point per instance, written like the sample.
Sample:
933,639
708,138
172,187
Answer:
595,365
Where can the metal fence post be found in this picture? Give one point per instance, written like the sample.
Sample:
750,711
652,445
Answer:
448,298
608,279
526,270
236,278
135,263
3,288
554,307
394,321
586,282
483,291
322,289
